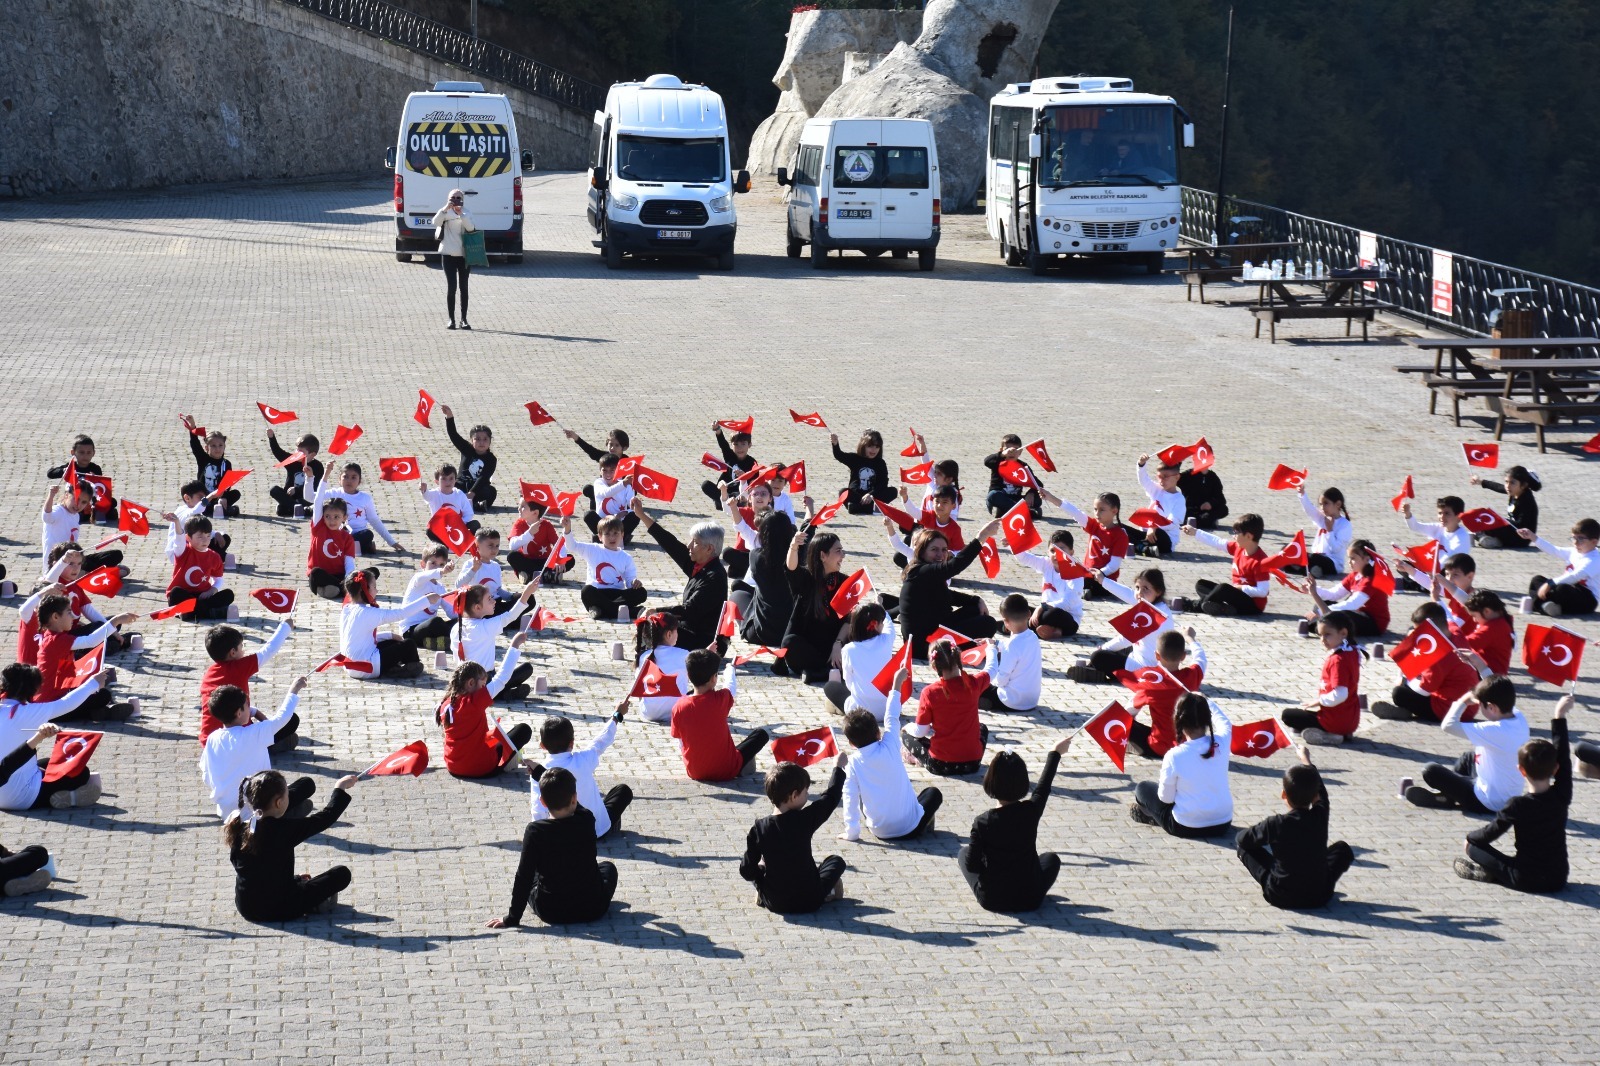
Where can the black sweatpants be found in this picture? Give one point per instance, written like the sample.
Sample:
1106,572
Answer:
806,659
304,897
1339,859
29,860
858,502
1056,618
1572,599
395,653
1503,869
433,630
207,609
287,501
93,561
1108,661
320,579
616,801
1049,870
918,747
456,271
1417,704
525,566
1229,597
1147,796
930,800
482,493
829,871
1455,783
606,601
1506,537
1298,718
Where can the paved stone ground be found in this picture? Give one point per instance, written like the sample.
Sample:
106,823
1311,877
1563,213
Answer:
123,312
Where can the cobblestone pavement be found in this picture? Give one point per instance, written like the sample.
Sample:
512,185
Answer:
124,312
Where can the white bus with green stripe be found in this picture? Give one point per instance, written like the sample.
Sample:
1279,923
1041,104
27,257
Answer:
458,137
1084,166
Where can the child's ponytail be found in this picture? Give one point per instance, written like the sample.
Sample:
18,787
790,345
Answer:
650,631
255,793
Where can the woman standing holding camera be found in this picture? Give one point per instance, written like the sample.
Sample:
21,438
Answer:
451,221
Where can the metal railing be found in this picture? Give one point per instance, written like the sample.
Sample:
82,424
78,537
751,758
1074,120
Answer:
413,31
1566,309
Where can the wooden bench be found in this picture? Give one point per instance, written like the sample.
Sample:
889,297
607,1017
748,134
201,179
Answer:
1458,389
1201,275
1539,414
1349,312
1413,368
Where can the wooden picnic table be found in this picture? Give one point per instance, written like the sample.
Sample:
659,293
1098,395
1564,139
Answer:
1556,386
1209,256
1340,297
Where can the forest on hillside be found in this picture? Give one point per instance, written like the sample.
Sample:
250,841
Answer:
1469,125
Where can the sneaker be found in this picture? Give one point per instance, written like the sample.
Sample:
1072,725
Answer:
34,882
1321,736
284,742
1218,610
327,905
409,671
465,324
233,510
1551,609
1422,796
596,614
1085,675
117,712
1180,603
124,571
84,795
780,668
451,324
299,810
515,692
837,892
329,592
1321,573
1527,605
1468,870
1483,540
1140,815
1389,712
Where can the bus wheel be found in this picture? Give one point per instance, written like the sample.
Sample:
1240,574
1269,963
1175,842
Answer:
1037,262
1008,252
1156,263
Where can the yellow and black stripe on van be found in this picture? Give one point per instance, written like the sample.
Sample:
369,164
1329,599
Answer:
458,149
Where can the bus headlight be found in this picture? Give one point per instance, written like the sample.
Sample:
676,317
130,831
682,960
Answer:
722,203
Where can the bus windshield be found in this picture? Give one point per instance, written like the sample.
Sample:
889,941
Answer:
1132,144
698,160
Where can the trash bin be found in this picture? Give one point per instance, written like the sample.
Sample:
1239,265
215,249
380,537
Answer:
1516,317
1244,229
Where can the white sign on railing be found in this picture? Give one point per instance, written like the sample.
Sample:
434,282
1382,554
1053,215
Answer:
1444,280
1367,255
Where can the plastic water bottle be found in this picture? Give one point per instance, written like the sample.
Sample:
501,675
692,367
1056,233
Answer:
1248,266
1322,268
1288,268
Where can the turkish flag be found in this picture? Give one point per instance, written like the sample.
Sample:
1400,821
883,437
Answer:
921,474
753,475
1284,579
849,594
1204,457
133,517
230,479
343,437
1149,518
424,408
1137,622
1019,529
1420,649
828,511
654,485
1382,575
91,663
1041,454
1483,455
1424,557
1293,553
537,414
711,462
1552,654
651,681
411,759
989,556
728,622
1257,740
1407,492
182,607
1149,679
498,738
1173,454
540,617
805,749
1592,445
812,419
100,486
776,653
71,754
115,538
538,493
894,514
796,476
106,581
446,524
912,450
196,431
399,468
898,661
1284,477
567,503
296,456
628,464
71,477
733,425
1015,473
960,640
1482,519
342,660
1067,568
1109,729
975,655
274,416
277,600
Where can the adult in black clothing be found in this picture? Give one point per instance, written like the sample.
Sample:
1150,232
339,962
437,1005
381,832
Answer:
210,465
777,851
1001,859
1288,854
737,456
869,474
1003,495
1523,513
706,589
291,493
24,867
926,599
265,887
558,872
1537,818
767,604
814,637
1203,500
477,463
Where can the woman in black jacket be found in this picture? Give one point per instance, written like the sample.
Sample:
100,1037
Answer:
261,846
869,474
767,605
814,638
1001,860
926,599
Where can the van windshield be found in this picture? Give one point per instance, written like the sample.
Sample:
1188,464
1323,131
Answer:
700,160
880,167
458,149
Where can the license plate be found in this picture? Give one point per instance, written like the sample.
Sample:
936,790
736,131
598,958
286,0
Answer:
673,235
420,221
859,212
1111,247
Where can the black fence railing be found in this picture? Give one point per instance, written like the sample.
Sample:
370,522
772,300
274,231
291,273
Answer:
432,38
1565,309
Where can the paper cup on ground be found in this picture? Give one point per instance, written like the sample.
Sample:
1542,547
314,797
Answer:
623,615
441,660
616,649
1405,783
136,642
230,561
1378,651
541,685
8,589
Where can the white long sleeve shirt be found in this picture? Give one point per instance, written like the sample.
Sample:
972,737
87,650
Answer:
1196,786
1451,542
1583,568
608,569
859,662
582,763
1015,667
59,525
181,513
876,784
18,721
1144,652
1333,537
488,574
670,660
456,498
1171,503
612,499
1494,748
363,512
475,637
236,752
424,583
358,631
1055,590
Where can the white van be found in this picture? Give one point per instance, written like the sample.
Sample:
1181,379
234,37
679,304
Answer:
661,181
458,137
867,184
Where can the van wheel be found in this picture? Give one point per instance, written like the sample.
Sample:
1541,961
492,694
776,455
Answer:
613,256
1037,262
402,257
1011,255
794,245
900,253
819,255
515,259
725,260
1156,263
926,259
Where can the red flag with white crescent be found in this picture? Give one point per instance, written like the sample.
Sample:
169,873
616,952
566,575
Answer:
399,468
1552,654
1285,477
1407,492
71,753
274,416
1137,622
132,517
446,524
1486,456
277,600
343,437
1019,529
424,409
654,485
411,759
1042,454
1421,648
805,749
897,661
812,419
850,593
1109,729
1257,740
